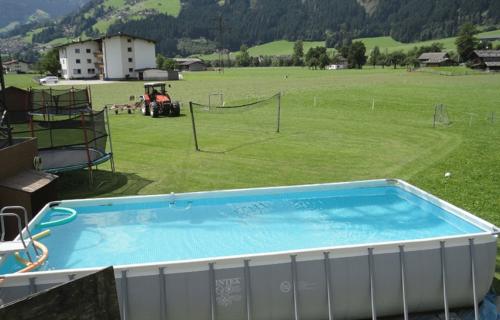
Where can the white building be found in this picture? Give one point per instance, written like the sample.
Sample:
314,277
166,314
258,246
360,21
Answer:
113,57
15,66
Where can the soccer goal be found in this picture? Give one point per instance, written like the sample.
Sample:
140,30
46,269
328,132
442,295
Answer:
441,115
223,127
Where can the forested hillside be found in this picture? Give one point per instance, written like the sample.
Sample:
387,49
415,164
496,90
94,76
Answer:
200,26
258,21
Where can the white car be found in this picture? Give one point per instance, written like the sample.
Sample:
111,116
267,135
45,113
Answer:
48,80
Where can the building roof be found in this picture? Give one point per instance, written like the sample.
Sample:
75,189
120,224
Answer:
12,62
183,60
76,41
119,34
490,38
188,63
487,53
492,63
434,57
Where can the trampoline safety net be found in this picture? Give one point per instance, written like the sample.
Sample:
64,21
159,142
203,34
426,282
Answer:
68,144
60,102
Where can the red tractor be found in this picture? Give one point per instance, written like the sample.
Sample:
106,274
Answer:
156,101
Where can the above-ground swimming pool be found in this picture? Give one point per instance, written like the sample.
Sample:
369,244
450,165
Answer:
345,250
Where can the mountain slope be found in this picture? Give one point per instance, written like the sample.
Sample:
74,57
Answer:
20,11
260,21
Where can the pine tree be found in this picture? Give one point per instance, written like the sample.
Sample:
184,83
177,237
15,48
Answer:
298,53
466,41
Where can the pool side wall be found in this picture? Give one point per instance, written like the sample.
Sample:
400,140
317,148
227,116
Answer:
186,295
272,287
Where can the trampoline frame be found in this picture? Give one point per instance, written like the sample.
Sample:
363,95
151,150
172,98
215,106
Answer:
90,162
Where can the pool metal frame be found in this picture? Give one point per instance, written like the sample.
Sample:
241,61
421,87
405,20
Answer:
162,269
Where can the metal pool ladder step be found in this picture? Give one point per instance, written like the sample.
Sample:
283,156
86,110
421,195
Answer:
20,243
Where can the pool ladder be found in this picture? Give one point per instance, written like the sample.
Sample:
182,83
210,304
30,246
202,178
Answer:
20,243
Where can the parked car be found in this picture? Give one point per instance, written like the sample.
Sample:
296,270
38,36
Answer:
48,79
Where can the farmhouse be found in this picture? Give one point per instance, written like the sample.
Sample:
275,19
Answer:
191,64
113,57
488,60
435,59
15,66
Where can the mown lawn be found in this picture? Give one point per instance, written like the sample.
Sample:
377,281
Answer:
335,126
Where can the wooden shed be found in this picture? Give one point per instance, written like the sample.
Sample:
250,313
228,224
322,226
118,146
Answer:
20,184
18,104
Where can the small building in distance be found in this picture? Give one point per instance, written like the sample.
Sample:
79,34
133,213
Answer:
488,60
16,66
190,64
435,59
113,57
155,74
339,62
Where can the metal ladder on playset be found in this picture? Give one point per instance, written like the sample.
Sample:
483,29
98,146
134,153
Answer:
20,243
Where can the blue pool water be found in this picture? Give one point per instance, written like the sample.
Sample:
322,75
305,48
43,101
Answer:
128,233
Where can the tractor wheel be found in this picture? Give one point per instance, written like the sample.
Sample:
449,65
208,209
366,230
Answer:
144,109
153,111
176,109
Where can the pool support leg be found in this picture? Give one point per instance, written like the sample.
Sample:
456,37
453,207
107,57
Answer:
402,267
295,293
124,296
372,283
248,289
443,276
211,287
163,294
473,277
329,293
33,288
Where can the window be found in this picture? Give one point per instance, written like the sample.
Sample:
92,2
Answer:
130,69
77,71
77,60
129,59
77,50
129,40
91,71
129,49
89,60
88,50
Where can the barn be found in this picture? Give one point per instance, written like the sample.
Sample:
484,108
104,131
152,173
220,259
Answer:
435,59
488,60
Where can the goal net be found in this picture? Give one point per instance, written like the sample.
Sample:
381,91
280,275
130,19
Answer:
221,128
441,115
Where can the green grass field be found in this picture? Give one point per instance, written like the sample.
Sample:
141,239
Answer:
369,124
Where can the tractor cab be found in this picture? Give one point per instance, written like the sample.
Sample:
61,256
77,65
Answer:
156,101
155,91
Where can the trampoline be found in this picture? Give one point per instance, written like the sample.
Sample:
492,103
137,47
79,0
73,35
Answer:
68,159
71,136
